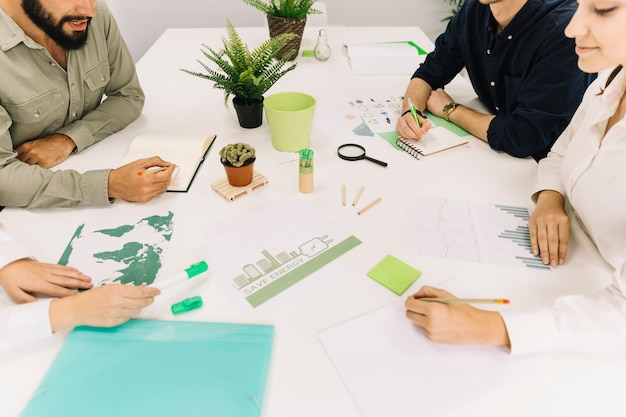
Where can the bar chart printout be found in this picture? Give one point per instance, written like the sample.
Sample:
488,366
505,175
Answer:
479,232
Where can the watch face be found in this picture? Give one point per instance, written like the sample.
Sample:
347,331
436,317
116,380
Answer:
447,109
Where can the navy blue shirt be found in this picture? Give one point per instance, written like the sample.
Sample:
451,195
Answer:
526,75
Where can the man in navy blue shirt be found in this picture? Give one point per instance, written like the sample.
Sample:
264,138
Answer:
522,67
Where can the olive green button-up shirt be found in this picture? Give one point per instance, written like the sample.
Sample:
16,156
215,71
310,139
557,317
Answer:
39,98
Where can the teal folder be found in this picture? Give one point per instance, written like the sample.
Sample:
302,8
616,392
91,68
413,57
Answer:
158,368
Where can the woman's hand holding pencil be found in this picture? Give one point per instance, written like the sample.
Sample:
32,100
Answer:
446,319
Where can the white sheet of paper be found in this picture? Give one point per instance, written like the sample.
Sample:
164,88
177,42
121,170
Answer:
380,114
392,369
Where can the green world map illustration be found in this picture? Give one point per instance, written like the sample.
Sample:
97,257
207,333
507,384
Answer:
127,254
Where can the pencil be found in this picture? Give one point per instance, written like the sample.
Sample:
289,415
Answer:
414,112
151,170
358,196
369,206
466,300
343,194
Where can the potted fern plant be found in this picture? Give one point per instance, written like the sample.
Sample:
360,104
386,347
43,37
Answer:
286,16
245,74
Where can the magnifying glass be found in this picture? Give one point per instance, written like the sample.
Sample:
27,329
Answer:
354,152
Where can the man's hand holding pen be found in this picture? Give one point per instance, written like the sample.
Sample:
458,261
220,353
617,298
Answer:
413,123
125,183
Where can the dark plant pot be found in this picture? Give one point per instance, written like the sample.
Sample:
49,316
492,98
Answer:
278,25
240,176
250,115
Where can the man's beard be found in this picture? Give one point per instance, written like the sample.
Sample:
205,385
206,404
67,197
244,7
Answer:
54,30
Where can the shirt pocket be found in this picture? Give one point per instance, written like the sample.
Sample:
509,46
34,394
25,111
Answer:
46,106
96,81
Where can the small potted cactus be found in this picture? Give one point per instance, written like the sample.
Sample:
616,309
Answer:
238,160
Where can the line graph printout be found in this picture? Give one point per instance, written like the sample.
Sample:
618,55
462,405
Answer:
488,233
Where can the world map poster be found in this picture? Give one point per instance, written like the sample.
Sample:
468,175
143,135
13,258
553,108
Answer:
129,252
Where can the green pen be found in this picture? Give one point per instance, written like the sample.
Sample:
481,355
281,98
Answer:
414,112
192,271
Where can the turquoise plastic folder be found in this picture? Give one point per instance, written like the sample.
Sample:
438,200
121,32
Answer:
158,368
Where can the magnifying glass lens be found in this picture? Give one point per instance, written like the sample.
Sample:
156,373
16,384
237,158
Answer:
352,151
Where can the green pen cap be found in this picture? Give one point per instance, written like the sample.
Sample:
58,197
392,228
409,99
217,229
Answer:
187,304
196,269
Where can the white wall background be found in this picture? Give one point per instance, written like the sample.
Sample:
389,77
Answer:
143,21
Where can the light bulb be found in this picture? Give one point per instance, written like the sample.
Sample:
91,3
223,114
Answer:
322,49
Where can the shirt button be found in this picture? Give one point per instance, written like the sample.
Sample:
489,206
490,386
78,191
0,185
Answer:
488,51
497,108
53,64
102,78
73,86
493,83
510,37
37,114
74,114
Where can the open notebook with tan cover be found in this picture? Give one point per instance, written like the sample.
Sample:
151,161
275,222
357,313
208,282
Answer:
186,151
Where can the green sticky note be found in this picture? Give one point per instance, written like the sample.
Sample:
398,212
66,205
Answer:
307,53
394,274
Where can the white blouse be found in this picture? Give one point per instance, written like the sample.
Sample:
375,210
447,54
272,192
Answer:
21,323
588,166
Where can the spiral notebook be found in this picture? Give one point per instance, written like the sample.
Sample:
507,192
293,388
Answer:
436,140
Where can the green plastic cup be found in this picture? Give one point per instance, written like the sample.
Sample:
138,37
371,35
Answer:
290,118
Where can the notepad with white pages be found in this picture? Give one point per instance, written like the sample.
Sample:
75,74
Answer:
436,140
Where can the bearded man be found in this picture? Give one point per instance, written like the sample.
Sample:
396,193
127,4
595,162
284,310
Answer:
68,81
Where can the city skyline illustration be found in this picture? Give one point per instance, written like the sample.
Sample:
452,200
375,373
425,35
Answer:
268,263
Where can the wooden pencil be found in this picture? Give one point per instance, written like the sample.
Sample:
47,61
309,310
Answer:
466,300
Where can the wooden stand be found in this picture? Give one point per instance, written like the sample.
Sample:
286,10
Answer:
230,193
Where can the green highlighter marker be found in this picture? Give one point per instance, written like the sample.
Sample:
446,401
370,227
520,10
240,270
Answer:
414,112
187,304
192,271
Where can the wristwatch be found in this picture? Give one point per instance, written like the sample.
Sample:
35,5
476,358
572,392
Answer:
449,108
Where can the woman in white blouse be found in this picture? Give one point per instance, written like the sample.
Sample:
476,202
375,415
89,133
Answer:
587,165
21,276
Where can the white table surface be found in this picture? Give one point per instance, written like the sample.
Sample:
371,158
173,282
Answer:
303,381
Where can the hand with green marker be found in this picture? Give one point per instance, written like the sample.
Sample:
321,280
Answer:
414,112
407,129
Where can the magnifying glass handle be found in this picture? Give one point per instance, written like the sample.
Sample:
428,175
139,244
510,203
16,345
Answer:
376,161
